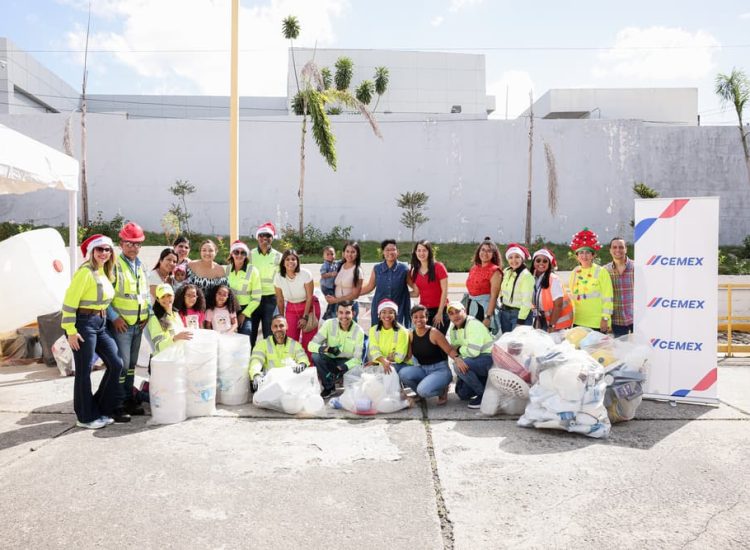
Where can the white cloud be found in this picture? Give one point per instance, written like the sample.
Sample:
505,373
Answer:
191,52
658,53
437,21
745,15
457,5
516,85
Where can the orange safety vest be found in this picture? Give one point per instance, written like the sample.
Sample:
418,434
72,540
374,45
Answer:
565,320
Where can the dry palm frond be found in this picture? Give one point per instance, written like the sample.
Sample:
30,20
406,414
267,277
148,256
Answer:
551,179
353,103
67,140
311,73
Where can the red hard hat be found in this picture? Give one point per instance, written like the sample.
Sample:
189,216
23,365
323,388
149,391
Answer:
132,232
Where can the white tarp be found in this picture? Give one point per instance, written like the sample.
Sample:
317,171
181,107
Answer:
675,306
27,165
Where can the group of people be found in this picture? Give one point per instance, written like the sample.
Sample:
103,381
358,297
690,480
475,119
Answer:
112,301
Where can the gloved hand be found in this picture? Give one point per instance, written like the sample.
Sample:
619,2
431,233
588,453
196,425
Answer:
333,351
299,368
256,382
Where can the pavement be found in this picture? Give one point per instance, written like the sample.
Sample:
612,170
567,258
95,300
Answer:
432,477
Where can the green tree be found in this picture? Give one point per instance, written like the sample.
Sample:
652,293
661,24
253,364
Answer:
734,88
344,72
181,189
290,30
643,191
364,91
382,77
327,77
413,204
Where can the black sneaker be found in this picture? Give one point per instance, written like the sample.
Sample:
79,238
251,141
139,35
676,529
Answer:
120,416
326,393
133,408
475,402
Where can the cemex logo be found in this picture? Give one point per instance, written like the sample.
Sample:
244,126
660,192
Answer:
658,259
666,303
676,345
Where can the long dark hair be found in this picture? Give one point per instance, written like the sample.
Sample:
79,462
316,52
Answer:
232,305
164,253
416,264
179,299
496,258
161,314
357,262
284,256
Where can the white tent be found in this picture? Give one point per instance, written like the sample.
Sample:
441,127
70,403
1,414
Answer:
27,165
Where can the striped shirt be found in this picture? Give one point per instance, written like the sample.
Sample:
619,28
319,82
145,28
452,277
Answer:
622,284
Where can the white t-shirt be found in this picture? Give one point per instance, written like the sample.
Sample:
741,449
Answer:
154,278
293,290
220,319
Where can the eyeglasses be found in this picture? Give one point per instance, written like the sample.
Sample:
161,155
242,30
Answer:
132,244
239,253
101,249
265,236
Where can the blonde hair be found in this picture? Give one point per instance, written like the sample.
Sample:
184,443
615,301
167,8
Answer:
109,265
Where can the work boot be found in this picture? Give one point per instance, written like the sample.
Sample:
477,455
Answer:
133,408
120,416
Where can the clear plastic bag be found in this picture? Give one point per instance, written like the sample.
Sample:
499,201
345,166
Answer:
368,390
285,391
63,356
514,351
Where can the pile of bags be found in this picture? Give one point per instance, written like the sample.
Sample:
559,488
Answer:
285,391
578,380
368,390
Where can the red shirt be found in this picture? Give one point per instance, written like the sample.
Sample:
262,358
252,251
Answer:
429,292
478,281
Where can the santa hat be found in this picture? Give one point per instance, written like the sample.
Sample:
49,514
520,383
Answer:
585,240
547,254
95,240
239,245
267,227
386,303
515,248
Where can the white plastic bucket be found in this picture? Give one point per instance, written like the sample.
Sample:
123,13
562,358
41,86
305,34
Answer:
168,386
233,380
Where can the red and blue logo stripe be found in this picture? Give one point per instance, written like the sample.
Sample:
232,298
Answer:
705,383
669,212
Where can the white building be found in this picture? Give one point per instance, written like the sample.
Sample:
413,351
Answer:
675,106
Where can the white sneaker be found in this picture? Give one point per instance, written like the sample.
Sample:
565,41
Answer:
93,425
107,419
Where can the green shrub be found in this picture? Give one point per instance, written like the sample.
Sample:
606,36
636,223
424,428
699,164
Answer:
314,239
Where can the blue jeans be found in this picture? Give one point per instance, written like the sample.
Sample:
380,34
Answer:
329,369
128,346
509,319
96,339
427,380
246,327
262,316
475,379
621,330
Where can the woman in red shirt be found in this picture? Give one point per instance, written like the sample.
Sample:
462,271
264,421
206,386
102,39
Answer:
483,284
431,279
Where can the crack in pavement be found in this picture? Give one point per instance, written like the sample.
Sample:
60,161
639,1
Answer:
710,519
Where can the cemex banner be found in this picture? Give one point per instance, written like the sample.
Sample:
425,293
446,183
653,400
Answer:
676,258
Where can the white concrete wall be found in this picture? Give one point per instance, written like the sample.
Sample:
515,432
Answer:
420,82
658,105
475,172
183,106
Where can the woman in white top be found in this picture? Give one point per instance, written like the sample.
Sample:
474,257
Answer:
348,281
162,272
295,299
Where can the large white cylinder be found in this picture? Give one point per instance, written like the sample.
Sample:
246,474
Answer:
201,357
168,387
233,380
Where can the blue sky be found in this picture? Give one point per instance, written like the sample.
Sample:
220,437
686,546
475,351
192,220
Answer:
180,46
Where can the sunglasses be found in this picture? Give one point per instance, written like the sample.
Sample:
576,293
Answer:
541,260
265,236
239,253
101,249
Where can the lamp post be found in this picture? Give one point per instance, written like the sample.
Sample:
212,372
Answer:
234,111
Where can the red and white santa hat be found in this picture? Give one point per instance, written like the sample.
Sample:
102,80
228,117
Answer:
239,245
547,254
385,304
267,227
515,248
95,240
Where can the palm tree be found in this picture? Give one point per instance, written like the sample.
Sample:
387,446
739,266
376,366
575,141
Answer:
381,83
290,29
364,91
734,88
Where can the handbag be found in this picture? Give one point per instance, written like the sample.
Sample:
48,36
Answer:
312,320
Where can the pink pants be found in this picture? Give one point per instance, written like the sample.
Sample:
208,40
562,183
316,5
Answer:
293,313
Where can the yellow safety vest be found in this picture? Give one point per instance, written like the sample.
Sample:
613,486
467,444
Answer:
592,294
162,338
268,266
350,342
270,355
472,340
522,294
383,342
89,288
132,297
245,285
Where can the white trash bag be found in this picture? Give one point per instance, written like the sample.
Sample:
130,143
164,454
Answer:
368,391
168,386
233,380
514,351
201,361
63,356
283,390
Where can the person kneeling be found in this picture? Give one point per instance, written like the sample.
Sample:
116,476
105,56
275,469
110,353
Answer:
471,353
278,350
337,347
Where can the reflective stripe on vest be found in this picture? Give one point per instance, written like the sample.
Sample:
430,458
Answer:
565,320
376,345
99,291
131,293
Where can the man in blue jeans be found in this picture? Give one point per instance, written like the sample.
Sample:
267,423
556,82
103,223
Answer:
128,313
472,354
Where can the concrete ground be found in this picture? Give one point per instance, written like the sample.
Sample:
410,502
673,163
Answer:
435,477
